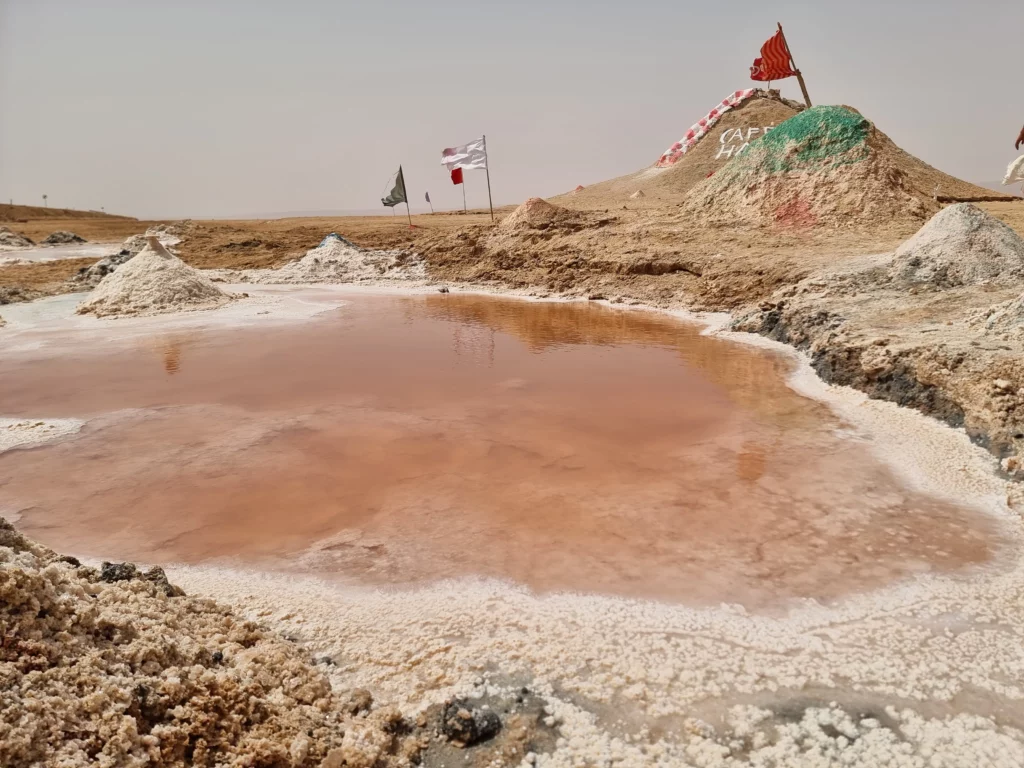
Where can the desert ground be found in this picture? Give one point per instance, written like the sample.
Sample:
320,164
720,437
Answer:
866,608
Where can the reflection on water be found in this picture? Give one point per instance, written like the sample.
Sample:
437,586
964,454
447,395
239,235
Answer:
566,446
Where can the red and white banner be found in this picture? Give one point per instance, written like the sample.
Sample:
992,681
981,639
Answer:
775,62
701,127
469,156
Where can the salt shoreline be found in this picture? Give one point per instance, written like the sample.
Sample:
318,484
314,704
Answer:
932,638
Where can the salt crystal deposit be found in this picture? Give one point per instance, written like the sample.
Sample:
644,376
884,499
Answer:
960,245
63,238
336,260
15,433
119,668
11,240
153,282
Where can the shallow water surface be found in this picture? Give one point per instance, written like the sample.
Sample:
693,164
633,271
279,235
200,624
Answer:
402,439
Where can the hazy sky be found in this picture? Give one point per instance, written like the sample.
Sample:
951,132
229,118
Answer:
223,107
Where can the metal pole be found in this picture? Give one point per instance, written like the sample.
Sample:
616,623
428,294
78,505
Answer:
487,168
464,209
799,74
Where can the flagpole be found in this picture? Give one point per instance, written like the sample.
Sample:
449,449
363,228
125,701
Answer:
799,74
487,168
405,188
464,209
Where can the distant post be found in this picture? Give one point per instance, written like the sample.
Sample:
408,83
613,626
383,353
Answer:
45,204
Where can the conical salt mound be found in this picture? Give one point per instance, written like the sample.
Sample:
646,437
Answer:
154,282
961,245
825,167
637,195
536,213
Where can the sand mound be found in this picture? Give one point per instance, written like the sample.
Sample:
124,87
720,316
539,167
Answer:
63,238
536,213
730,136
153,282
10,239
825,167
117,667
734,135
336,260
960,245
637,195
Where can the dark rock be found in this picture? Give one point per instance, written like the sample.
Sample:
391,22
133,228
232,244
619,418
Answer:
72,561
111,572
218,657
465,725
442,290
63,238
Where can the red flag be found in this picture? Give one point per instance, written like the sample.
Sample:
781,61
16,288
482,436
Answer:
456,175
775,62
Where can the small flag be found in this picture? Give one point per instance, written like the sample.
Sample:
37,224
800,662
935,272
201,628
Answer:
427,195
397,194
775,62
469,156
456,175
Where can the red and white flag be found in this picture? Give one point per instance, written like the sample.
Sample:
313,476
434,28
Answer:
469,156
775,62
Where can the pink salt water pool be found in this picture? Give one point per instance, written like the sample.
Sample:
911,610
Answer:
408,439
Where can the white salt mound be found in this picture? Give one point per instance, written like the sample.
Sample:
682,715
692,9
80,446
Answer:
153,282
960,245
336,260
10,239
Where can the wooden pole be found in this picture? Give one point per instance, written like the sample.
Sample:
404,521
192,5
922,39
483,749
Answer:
487,168
799,74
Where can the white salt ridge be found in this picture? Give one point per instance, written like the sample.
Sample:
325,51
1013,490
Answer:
153,282
22,433
338,261
960,245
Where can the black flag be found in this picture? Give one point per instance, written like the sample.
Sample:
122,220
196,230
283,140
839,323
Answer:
398,193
